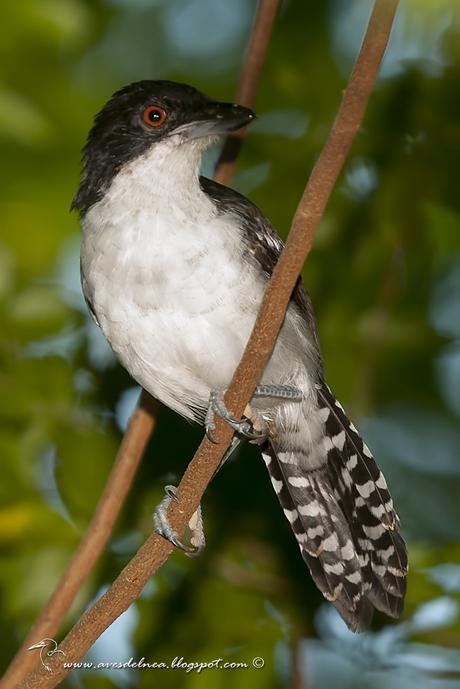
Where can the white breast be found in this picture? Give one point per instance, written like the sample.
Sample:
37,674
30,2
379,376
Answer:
166,279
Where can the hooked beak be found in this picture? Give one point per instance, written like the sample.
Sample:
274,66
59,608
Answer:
216,119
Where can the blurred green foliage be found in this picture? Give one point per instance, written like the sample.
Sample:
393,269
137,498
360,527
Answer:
385,280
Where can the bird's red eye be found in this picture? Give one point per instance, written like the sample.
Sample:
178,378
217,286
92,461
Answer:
154,115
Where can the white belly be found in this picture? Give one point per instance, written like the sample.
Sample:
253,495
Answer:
174,299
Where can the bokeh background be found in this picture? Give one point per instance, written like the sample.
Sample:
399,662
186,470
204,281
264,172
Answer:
385,281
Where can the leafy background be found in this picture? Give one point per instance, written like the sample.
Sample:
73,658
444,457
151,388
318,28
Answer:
385,281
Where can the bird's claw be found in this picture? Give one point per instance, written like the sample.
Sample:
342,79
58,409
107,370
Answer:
163,527
244,427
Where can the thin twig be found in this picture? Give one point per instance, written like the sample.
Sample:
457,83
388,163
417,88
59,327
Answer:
144,417
153,553
246,91
85,557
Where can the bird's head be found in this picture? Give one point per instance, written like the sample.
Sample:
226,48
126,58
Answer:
144,114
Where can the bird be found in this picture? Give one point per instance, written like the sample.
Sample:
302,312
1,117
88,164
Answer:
173,270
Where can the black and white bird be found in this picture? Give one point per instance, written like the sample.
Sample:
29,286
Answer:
173,269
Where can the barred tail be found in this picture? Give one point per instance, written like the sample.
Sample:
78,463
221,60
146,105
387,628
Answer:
338,504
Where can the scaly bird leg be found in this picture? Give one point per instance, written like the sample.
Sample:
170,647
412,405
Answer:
252,426
163,527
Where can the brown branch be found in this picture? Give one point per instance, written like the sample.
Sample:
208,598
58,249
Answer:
247,87
85,557
153,553
143,420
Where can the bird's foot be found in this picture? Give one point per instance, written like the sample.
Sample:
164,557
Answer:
284,392
252,426
163,527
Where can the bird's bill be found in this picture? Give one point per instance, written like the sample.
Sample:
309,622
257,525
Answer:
217,118
40,644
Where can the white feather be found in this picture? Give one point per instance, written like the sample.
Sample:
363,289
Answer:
167,279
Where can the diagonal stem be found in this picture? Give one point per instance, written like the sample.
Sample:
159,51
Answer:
98,533
247,87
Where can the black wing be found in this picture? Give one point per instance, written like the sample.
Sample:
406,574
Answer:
263,244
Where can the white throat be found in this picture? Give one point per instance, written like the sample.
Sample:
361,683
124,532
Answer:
168,172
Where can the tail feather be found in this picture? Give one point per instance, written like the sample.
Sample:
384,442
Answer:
366,502
323,537
338,504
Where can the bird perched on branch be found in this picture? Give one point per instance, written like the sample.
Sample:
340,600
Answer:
173,268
